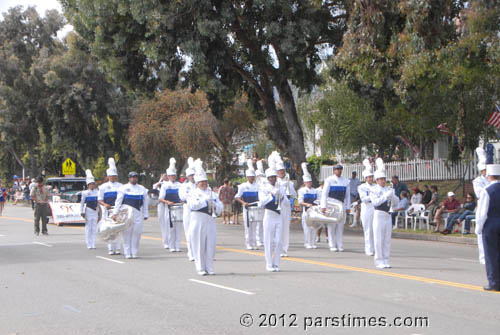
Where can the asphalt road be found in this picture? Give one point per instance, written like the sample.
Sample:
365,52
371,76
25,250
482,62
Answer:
54,285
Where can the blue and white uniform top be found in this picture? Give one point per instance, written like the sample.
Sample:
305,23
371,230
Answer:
204,201
89,200
485,212
364,191
267,197
308,195
186,189
249,193
135,196
336,188
383,198
170,191
479,184
108,192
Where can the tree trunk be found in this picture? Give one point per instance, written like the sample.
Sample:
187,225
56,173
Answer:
33,161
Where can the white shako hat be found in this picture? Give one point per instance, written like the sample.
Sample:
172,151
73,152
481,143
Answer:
306,175
271,161
260,168
368,171
112,171
250,172
380,173
172,171
481,159
279,162
190,169
200,174
493,169
89,176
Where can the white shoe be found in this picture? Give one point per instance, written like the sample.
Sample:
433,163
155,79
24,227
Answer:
308,246
191,259
341,249
211,273
165,246
314,247
202,273
369,254
117,253
276,269
387,266
172,250
380,266
111,252
249,247
270,269
284,255
353,225
334,249
128,257
134,256
259,244
316,239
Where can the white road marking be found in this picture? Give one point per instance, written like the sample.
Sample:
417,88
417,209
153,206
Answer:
44,244
2,235
220,286
465,260
109,259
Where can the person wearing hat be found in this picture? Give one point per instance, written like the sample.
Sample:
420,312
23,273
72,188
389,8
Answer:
261,180
41,196
184,191
88,208
383,199
479,184
450,205
136,196
107,198
307,196
169,196
367,208
488,226
165,233
248,196
336,187
271,198
286,206
203,204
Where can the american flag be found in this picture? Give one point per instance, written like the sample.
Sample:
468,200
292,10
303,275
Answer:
494,118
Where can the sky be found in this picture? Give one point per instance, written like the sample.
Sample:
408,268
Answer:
41,6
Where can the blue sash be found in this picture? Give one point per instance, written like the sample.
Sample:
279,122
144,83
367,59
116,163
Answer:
172,194
337,192
110,198
250,197
204,210
309,198
272,205
384,207
91,202
132,200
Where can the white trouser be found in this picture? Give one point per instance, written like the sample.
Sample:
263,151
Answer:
113,245
202,234
382,230
480,247
309,232
250,231
336,234
260,233
174,240
132,235
186,214
90,227
367,222
273,223
286,213
164,223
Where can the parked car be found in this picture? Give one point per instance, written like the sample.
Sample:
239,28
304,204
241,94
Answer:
70,188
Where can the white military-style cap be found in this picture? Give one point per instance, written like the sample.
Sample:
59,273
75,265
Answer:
493,169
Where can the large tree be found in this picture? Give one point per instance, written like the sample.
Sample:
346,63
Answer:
261,47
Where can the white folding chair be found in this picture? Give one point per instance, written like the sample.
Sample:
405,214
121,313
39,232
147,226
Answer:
423,216
411,215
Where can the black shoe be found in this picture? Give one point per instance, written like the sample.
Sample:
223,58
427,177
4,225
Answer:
489,288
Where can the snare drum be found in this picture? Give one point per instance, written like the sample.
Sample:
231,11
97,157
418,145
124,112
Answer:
176,213
255,214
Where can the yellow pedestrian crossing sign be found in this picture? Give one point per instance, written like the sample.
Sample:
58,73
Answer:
68,167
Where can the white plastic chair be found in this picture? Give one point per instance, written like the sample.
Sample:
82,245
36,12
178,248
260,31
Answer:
412,213
423,216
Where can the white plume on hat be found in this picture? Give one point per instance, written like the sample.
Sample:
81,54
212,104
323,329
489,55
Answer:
112,171
190,169
380,173
481,157
368,171
89,176
306,175
279,162
172,171
271,161
250,172
200,174
260,168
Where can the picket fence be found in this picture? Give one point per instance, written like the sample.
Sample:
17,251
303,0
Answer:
437,169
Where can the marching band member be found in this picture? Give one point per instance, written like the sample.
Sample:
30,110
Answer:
185,190
261,180
248,195
169,196
479,184
488,226
336,187
203,203
88,208
307,196
162,216
271,197
136,196
107,197
367,207
286,206
382,198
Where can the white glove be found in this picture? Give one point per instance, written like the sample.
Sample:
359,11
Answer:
478,230
388,195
